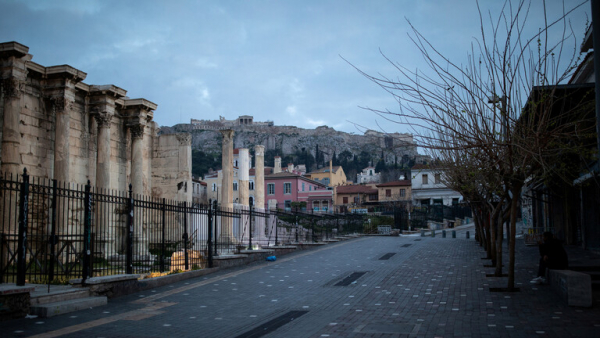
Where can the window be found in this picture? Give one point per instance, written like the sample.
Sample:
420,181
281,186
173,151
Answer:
302,186
251,185
356,200
437,178
316,206
402,192
271,189
455,201
310,188
345,200
214,187
373,197
425,179
388,192
287,188
234,186
370,172
288,205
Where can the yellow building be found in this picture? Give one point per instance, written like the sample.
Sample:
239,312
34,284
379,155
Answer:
396,191
331,176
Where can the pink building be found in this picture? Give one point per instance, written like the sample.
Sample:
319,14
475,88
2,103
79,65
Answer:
283,188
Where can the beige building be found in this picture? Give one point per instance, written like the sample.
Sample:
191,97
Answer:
59,127
394,192
331,176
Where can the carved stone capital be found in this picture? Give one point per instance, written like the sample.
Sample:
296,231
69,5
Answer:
61,104
103,119
11,87
184,139
137,131
227,135
259,150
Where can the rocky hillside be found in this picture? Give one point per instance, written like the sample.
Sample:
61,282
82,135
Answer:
290,140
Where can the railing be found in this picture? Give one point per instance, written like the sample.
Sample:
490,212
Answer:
52,232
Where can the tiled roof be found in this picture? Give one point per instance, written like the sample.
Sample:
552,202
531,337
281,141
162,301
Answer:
325,170
403,183
355,189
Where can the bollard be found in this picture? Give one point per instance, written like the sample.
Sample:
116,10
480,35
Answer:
443,233
468,235
432,233
422,233
453,233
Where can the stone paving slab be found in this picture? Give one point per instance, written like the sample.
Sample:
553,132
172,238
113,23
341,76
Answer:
431,287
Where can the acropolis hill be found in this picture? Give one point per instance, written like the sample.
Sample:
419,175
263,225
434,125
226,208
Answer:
290,139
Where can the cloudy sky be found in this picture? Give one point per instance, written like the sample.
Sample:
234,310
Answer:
275,60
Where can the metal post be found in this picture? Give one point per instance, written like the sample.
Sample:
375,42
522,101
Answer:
468,235
276,231
87,232
162,240
129,268
210,234
432,233
216,253
53,240
453,233
250,229
22,249
443,233
185,236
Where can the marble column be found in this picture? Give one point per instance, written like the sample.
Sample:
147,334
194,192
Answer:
259,194
103,120
137,158
11,135
140,237
243,177
226,235
62,112
259,178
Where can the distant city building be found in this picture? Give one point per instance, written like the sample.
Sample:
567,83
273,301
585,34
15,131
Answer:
368,175
331,176
244,120
428,187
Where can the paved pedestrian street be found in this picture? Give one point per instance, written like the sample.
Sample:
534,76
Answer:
366,287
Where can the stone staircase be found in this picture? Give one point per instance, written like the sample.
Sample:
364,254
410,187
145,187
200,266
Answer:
62,299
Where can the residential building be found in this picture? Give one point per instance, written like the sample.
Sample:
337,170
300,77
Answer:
199,192
331,176
350,197
395,192
284,188
368,175
428,187
569,208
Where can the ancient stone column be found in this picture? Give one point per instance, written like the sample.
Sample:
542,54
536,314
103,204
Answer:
259,180
226,235
103,120
62,111
259,193
243,177
137,158
11,135
140,237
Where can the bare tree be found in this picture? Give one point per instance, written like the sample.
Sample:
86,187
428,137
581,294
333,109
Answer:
475,112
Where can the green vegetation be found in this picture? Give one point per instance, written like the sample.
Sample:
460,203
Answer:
202,162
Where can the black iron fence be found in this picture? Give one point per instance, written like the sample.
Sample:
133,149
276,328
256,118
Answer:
419,217
52,232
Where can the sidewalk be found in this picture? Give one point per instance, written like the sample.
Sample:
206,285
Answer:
428,287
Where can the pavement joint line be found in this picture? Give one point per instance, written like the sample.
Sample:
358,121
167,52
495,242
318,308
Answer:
237,273
148,311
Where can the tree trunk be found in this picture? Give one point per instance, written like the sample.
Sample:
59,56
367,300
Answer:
499,238
513,231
